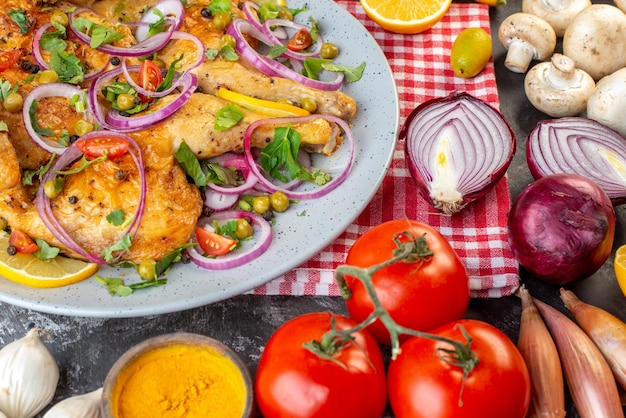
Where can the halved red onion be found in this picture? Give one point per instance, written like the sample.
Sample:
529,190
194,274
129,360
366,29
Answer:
250,250
44,205
172,10
581,146
456,148
294,194
240,27
115,121
40,92
146,47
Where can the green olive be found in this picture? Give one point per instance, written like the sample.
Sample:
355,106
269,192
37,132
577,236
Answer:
221,20
59,18
228,40
146,269
308,104
329,50
48,76
125,101
13,102
279,202
50,189
285,13
261,204
244,229
82,127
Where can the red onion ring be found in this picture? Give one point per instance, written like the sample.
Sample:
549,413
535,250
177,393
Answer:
219,201
239,162
270,26
581,146
270,67
173,11
44,206
262,241
311,194
177,80
146,47
457,148
46,90
114,121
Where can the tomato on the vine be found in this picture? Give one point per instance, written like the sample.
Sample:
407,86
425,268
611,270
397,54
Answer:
22,242
293,381
419,295
422,384
96,146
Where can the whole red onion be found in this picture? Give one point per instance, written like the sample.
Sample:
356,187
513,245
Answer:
561,228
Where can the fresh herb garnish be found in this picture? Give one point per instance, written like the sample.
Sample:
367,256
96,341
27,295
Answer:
45,250
68,67
351,74
116,286
276,51
219,6
159,25
32,111
99,34
19,17
3,126
188,161
29,175
116,217
227,117
121,245
6,88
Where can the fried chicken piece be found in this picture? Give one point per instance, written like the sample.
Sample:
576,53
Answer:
9,166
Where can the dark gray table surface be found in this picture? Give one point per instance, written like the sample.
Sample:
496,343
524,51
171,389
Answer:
86,348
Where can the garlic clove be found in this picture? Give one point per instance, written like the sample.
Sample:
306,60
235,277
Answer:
28,376
81,406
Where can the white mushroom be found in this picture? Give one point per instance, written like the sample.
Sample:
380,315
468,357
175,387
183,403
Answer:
558,13
526,37
596,40
558,88
607,103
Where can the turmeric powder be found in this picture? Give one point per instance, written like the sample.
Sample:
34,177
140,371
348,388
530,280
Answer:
179,380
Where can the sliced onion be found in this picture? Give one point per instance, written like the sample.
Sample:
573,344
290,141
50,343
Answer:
173,10
262,239
237,161
115,121
270,26
580,146
457,148
561,228
219,201
294,194
148,46
240,27
44,205
40,92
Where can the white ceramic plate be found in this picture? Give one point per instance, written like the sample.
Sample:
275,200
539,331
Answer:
299,234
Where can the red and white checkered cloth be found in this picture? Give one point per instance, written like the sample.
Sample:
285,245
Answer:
421,68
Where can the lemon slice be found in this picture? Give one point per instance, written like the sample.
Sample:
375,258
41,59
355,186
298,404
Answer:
619,266
406,16
30,271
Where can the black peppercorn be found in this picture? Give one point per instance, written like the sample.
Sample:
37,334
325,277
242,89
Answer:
72,199
11,250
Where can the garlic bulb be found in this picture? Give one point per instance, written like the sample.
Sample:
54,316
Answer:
28,376
80,406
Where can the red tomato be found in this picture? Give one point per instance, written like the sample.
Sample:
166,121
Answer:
8,58
214,244
419,297
300,40
292,381
96,146
150,77
422,385
22,242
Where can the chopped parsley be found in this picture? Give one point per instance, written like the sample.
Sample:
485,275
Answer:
99,34
19,17
227,117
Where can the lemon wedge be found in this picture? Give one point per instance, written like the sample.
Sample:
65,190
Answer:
29,270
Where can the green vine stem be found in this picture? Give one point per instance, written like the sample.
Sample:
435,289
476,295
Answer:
413,250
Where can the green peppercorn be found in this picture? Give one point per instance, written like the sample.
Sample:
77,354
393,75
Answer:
125,101
228,40
261,204
13,102
48,76
222,20
82,127
59,18
308,104
50,189
279,202
244,229
146,269
329,50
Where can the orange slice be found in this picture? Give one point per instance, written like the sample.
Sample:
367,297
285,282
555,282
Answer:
620,267
406,16
30,271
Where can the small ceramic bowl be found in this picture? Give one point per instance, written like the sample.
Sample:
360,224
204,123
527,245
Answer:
179,374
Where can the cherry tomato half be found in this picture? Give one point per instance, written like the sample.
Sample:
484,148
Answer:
22,242
423,384
421,295
150,77
8,58
292,381
300,40
214,244
95,147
